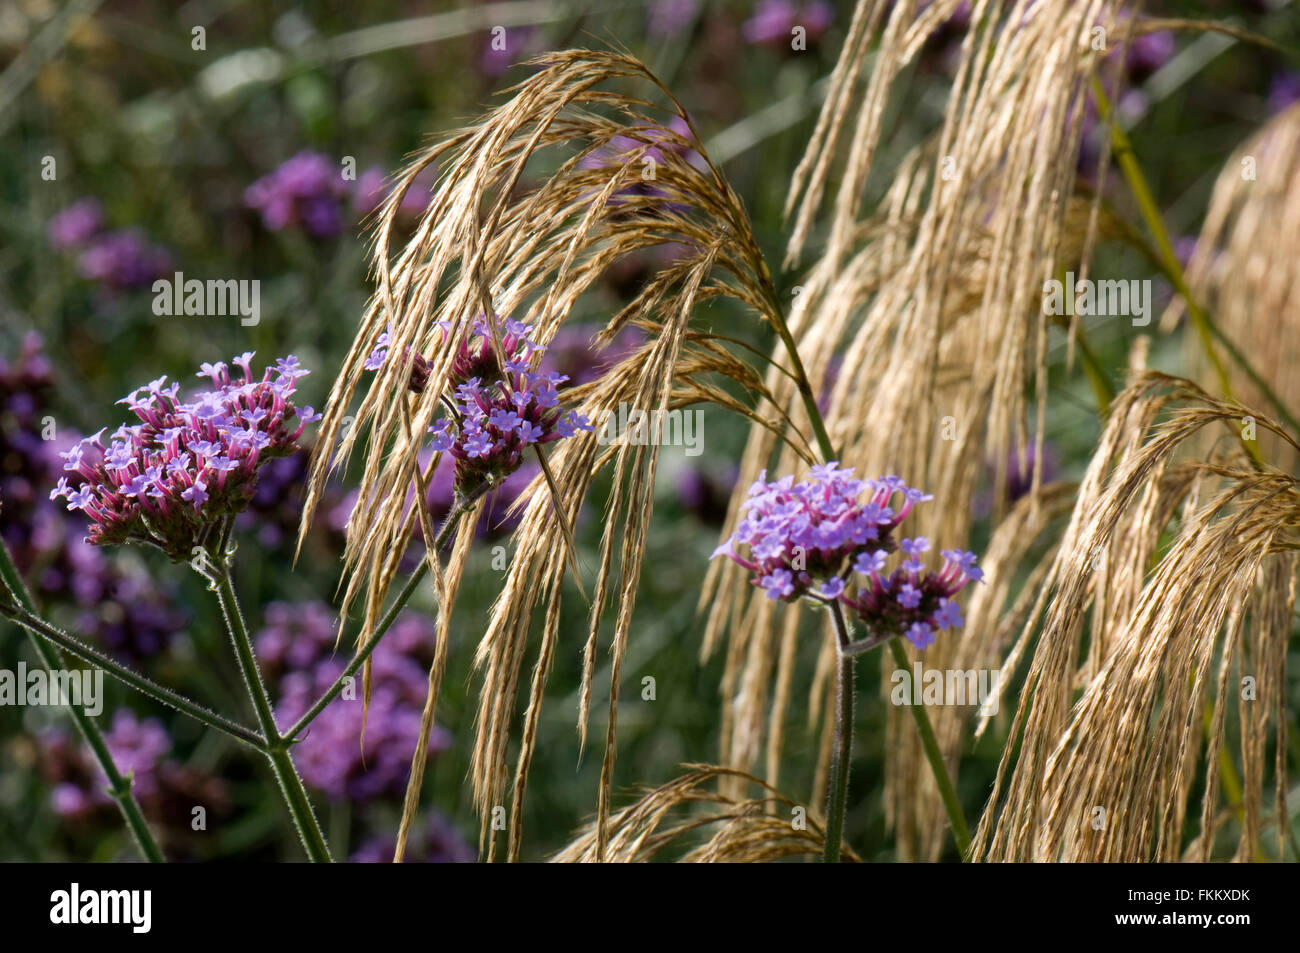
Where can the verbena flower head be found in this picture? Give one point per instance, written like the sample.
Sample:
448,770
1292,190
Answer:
117,603
496,414
821,540
186,466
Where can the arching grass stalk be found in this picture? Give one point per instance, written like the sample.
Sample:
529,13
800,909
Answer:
1167,261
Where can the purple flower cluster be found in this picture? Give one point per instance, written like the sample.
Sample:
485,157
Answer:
186,466
297,645
494,423
120,260
817,540
116,603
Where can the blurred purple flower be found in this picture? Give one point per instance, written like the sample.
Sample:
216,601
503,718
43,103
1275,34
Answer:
123,260
1149,52
138,748
774,20
574,353
373,188
1283,91
667,18
1185,248
306,191
298,640
167,789
119,604
432,840
707,492
1020,479
504,49
646,149
76,225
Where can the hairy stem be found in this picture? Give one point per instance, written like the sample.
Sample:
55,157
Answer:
403,597
277,750
74,646
842,752
119,788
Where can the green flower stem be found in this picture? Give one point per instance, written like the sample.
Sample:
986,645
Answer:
277,749
1135,239
119,787
842,751
1173,269
1128,164
806,394
73,646
1102,388
403,597
960,832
